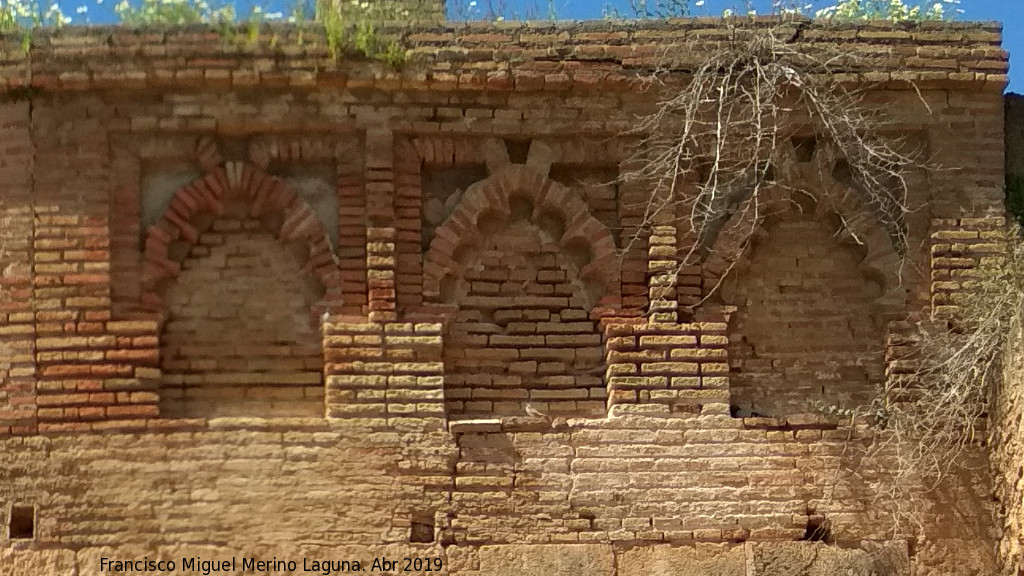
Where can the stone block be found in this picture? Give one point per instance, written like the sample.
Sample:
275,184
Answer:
688,560
539,560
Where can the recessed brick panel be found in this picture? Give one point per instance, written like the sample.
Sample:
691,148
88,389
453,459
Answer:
239,338
807,333
522,333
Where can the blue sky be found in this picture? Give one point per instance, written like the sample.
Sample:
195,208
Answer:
1010,12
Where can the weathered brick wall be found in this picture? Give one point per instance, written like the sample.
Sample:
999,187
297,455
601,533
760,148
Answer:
808,331
239,339
1006,458
17,346
165,247
1008,410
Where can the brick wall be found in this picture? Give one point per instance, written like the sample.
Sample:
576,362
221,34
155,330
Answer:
17,346
1008,406
191,331
239,339
807,331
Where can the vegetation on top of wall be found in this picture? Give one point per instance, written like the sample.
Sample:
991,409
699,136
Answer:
896,10
18,15
354,23
172,12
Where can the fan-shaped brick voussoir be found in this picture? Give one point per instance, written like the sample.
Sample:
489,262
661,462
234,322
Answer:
880,262
548,197
730,244
264,195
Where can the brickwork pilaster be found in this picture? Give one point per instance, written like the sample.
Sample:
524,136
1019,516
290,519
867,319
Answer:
959,246
17,321
662,270
384,373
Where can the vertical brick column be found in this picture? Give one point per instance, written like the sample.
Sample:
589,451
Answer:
958,247
662,269
380,233
125,232
415,386
900,346
355,373
352,223
408,222
689,279
380,273
17,323
632,198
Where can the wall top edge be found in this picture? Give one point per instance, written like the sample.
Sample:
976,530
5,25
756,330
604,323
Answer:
600,55
679,24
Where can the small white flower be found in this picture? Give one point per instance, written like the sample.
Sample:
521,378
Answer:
81,9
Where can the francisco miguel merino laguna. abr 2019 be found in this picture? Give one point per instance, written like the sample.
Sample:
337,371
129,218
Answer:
206,567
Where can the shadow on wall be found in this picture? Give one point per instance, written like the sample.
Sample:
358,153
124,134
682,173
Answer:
1014,126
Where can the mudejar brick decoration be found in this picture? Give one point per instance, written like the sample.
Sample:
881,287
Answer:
261,304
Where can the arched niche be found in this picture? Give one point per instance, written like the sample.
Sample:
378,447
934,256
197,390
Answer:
812,287
523,270
239,270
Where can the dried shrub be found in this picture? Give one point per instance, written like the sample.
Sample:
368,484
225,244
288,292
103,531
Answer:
719,144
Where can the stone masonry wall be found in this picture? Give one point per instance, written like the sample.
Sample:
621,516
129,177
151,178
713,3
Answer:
1008,412
472,350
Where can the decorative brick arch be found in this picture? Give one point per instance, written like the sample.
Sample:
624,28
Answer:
809,184
553,206
267,198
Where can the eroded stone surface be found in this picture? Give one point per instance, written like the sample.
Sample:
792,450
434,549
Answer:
544,560
695,560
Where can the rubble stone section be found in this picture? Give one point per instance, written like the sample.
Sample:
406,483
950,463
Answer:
648,473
